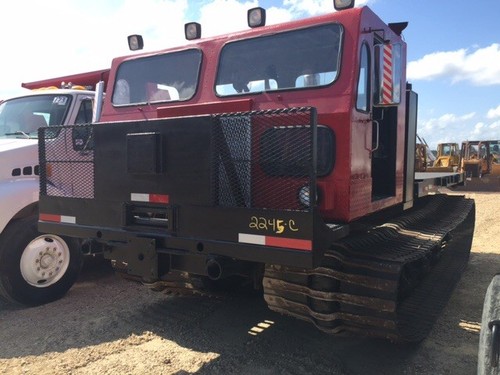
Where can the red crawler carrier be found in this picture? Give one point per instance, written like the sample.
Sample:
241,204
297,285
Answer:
282,155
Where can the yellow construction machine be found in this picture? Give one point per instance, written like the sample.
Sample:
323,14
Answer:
495,157
424,158
480,162
478,158
448,158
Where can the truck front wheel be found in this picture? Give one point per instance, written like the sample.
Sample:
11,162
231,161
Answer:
36,268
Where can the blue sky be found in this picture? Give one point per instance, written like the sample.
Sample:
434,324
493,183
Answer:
453,46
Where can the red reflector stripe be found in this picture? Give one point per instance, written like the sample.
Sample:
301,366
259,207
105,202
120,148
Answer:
289,243
158,198
49,217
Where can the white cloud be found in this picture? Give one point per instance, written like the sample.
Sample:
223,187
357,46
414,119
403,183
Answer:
60,37
494,112
234,13
444,121
458,128
480,66
230,16
43,44
311,7
300,8
483,131
278,15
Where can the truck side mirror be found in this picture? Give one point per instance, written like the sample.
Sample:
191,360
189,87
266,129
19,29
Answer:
98,101
388,74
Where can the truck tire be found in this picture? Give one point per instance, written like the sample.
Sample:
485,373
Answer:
36,268
489,340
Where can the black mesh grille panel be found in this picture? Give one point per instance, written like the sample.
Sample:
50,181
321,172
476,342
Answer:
67,161
264,159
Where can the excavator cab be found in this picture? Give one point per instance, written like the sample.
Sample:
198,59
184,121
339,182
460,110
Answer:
448,158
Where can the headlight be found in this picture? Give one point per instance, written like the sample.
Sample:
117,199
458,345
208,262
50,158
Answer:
305,196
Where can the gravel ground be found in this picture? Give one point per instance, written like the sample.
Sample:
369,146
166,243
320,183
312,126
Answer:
106,325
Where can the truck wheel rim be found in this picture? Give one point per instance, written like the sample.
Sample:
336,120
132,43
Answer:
44,261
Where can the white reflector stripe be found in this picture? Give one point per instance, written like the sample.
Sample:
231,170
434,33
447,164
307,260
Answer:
68,219
139,197
251,238
151,198
288,243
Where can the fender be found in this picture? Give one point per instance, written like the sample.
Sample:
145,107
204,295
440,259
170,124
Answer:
16,195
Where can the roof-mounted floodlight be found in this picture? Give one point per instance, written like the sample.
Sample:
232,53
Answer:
343,4
135,42
256,17
192,30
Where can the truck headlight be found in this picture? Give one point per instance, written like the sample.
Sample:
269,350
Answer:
305,196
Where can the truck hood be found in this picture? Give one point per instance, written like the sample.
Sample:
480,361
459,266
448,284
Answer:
7,144
19,157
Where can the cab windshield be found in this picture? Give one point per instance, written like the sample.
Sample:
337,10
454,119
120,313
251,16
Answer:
285,61
21,117
159,78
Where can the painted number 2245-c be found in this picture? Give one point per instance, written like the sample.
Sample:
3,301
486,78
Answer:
276,225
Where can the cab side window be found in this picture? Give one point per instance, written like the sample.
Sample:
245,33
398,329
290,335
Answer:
363,94
84,112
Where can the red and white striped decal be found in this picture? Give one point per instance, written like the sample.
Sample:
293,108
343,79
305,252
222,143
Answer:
57,218
387,86
289,243
150,198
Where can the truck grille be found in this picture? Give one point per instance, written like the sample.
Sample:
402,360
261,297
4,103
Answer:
262,159
67,161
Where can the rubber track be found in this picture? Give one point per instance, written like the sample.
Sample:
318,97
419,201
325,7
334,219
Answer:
391,281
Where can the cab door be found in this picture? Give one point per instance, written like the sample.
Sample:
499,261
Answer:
386,99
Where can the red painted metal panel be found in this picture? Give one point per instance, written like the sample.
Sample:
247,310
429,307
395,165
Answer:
240,105
82,79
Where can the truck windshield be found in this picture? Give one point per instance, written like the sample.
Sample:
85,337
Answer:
160,78
289,60
21,117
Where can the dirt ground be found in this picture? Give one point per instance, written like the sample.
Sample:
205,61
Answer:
106,325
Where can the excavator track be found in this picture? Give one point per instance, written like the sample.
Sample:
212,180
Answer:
390,281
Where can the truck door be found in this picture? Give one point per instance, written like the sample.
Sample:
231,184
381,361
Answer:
81,111
85,111
386,98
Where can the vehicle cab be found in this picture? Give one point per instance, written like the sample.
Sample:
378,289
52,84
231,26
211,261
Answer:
348,65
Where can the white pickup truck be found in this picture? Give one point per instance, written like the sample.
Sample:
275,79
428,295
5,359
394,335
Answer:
34,268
